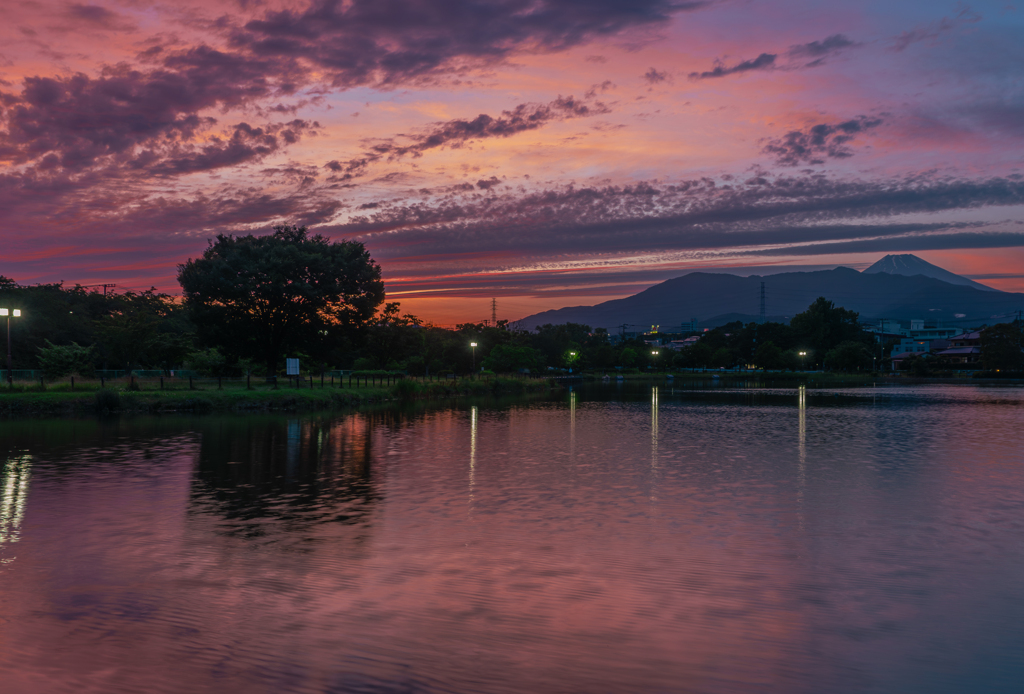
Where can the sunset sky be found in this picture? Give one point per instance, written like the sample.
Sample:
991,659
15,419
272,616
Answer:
545,153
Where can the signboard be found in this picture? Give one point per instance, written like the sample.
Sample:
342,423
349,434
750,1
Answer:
291,367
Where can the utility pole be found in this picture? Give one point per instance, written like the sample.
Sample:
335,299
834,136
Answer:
762,303
105,287
494,312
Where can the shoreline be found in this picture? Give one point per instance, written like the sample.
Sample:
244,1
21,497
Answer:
59,400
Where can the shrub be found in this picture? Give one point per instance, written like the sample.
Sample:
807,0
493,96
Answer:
57,361
406,388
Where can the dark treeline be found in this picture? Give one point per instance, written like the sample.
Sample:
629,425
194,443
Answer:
249,302
65,330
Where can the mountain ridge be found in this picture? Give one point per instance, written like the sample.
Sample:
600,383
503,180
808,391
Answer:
705,296
908,265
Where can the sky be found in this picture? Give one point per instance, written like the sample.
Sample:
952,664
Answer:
541,153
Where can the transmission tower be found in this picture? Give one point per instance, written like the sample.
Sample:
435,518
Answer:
494,312
762,303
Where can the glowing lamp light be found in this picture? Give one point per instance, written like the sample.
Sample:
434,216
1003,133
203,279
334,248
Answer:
9,313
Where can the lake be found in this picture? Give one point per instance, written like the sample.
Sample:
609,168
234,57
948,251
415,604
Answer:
611,539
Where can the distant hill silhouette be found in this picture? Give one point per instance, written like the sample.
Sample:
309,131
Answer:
910,265
715,299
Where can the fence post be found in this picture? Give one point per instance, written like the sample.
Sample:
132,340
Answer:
72,383
42,386
311,381
102,382
322,380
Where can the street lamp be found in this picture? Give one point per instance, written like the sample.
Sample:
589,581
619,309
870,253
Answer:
802,355
10,362
473,346
654,353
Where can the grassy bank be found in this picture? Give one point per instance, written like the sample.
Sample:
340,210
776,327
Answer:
58,399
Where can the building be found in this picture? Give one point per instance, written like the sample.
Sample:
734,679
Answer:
684,343
916,329
964,349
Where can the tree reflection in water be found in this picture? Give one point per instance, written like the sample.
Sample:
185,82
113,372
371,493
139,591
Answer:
298,473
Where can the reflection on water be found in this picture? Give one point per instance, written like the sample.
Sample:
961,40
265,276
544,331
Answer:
622,539
13,492
264,477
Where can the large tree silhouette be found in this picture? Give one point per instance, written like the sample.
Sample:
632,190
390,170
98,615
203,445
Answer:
264,296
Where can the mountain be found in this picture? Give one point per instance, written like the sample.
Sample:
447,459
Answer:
714,299
910,265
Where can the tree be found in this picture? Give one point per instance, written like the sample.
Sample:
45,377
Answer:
143,328
556,341
697,356
823,326
511,357
393,338
848,356
628,357
723,358
1001,347
262,296
768,356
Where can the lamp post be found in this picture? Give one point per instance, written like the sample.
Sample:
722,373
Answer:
473,347
802,355
10,361
654,354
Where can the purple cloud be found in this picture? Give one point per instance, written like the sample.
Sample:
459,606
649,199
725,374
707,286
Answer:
765,61
819,142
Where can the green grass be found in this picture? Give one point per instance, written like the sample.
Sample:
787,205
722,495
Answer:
87,396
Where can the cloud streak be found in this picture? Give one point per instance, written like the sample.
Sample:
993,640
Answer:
689,215
765,61
455,133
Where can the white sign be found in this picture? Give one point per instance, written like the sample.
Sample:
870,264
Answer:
292,367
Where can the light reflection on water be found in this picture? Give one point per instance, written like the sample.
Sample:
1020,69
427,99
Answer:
613,540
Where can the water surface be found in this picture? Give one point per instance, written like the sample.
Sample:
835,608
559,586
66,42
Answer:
610,540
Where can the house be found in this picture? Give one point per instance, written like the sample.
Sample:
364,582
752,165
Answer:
968,339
